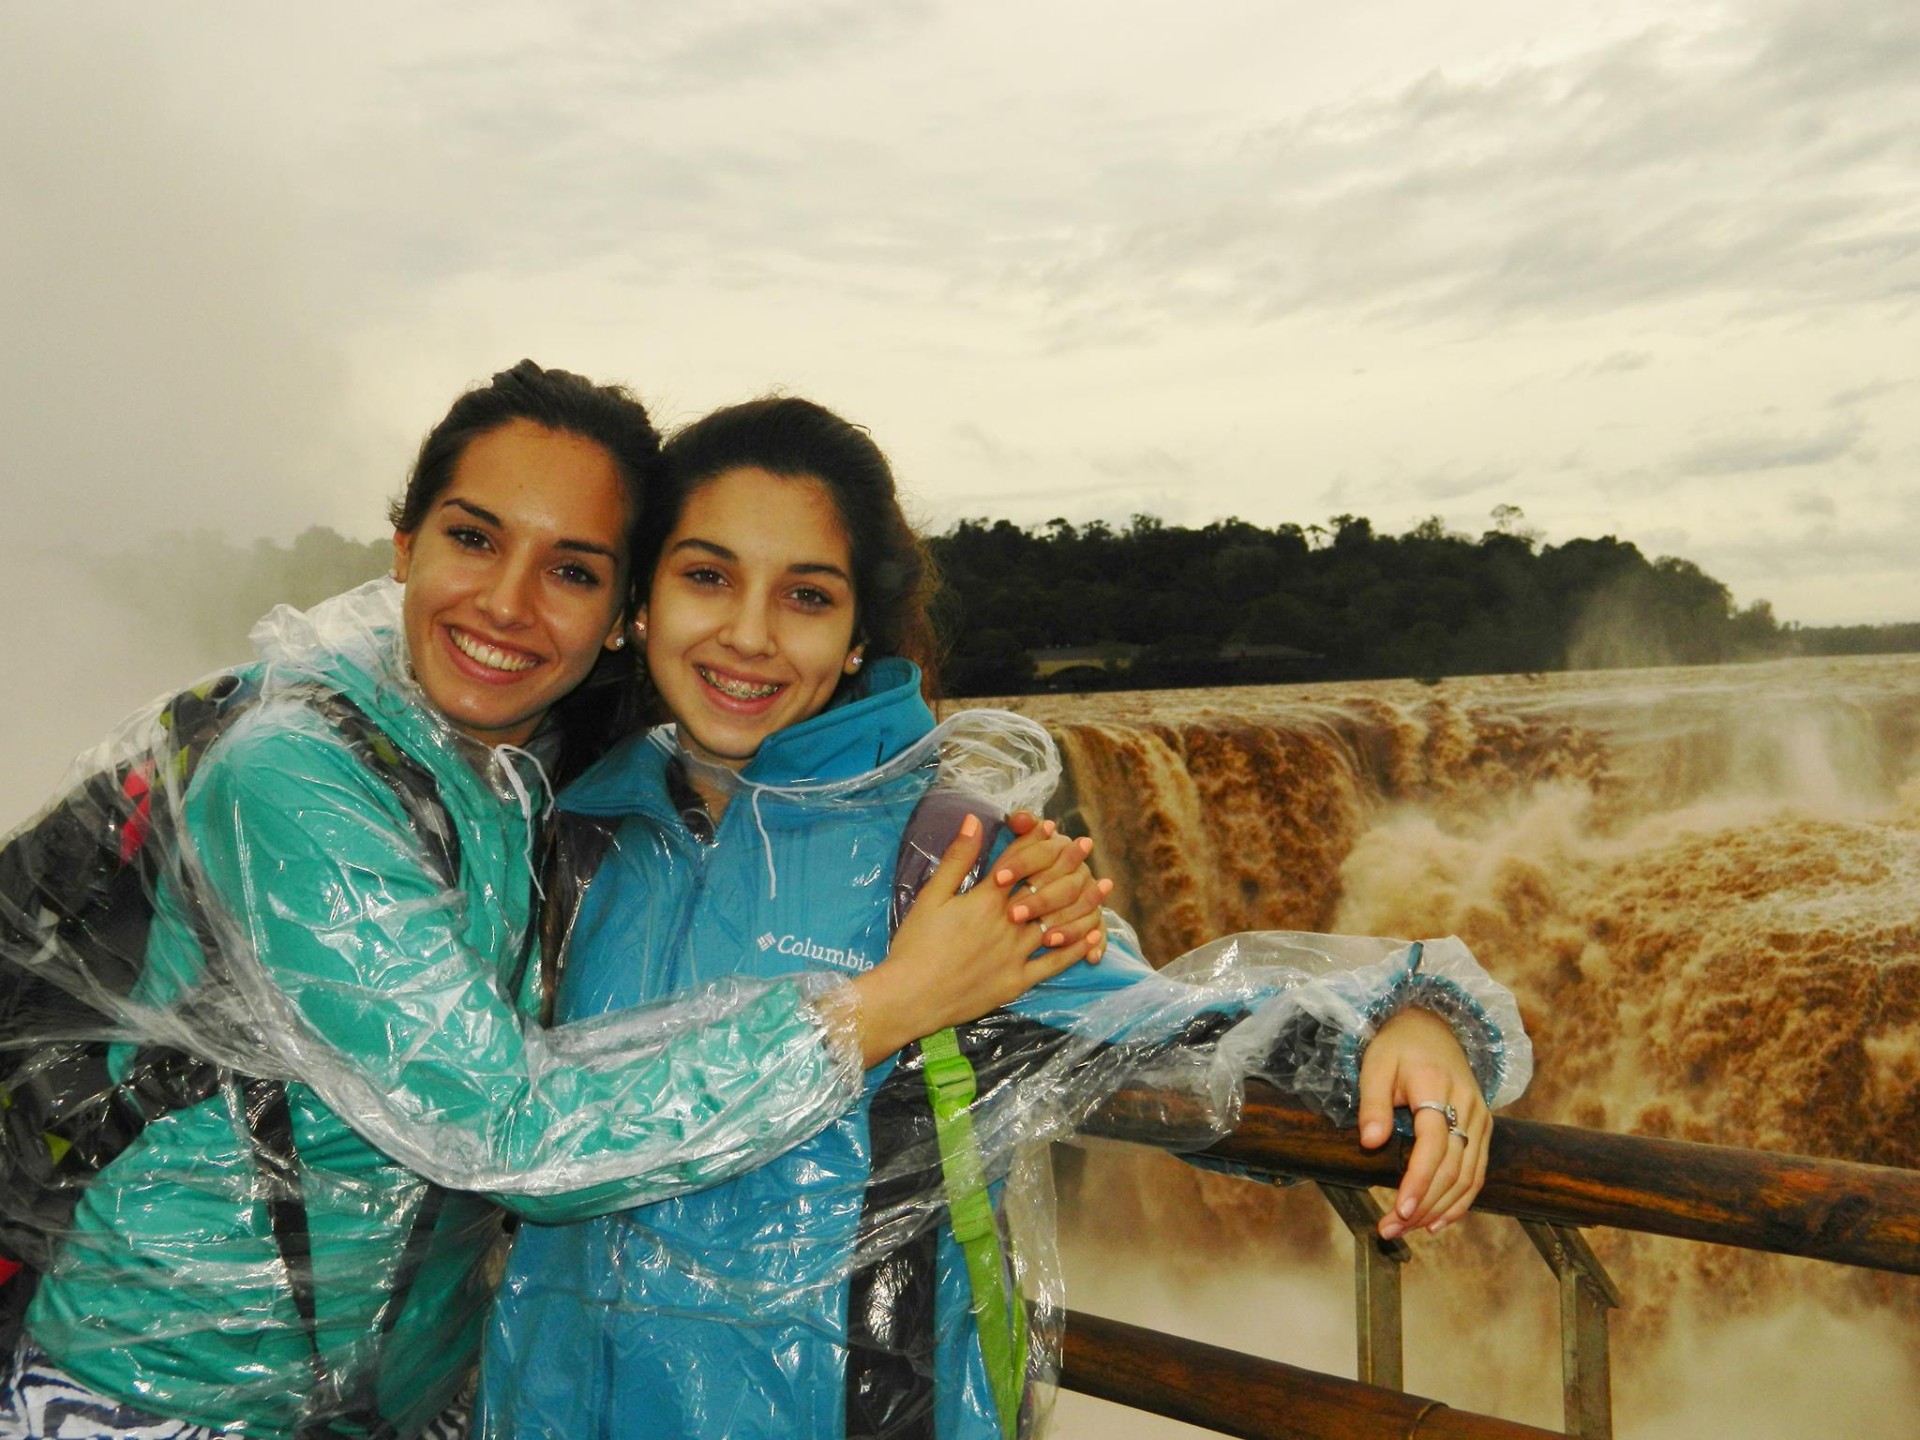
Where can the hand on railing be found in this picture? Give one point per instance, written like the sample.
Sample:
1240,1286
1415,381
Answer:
1414,1061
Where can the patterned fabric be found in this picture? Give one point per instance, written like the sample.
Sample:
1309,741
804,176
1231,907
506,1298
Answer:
452,1422
40,1401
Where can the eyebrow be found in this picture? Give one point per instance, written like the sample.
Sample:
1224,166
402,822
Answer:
584,547
720,552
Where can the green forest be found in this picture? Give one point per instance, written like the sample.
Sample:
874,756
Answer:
1161,605
1152,605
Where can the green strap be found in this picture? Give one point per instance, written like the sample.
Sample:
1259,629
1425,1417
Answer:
1002,1321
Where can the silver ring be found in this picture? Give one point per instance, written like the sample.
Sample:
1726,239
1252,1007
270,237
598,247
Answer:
1452,1115
1459,1135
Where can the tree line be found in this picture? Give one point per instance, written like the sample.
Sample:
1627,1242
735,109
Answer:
1161,605
1232,602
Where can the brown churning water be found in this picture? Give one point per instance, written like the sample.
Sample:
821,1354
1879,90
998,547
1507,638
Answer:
1704,885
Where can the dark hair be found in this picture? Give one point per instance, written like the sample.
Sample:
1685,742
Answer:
608,415
612,699
894,578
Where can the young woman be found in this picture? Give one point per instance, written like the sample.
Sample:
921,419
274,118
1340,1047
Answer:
825,1294
338,944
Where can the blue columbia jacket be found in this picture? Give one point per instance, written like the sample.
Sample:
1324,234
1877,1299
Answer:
821,1295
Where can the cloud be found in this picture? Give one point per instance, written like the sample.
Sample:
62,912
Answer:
1811,502
711,142
1452,484
773,145
1768,450
1620,362
977,445
1855,395
1149,464
250,237
1766,159
579,53
755,38
164,357
1827,551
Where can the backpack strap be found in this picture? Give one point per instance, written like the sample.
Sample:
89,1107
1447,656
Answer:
412,783
270,1128
1000,1316
270,1119
575,846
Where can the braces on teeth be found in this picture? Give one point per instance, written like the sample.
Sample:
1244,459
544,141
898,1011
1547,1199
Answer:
738,689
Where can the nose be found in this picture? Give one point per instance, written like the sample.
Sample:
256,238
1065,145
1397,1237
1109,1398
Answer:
747,631
506,598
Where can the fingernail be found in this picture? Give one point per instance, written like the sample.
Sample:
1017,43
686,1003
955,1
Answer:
1390,1229
1105,887
1047,827
1020,914
970,826
1056,938
1406,1208
1085,845
1437,1226
1003,877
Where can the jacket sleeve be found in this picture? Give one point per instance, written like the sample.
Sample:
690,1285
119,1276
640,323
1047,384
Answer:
348,955
1293,1008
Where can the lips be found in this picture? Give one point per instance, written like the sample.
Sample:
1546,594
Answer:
496,658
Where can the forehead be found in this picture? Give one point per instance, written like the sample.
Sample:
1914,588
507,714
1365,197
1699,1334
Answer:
534,478
777,519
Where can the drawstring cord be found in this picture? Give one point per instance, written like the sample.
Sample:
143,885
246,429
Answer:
679,778
766,843
506,754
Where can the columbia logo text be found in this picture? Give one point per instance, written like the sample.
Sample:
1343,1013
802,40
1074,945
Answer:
805,949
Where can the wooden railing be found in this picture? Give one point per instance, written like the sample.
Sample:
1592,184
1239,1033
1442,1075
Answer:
1236,1394
1553,1179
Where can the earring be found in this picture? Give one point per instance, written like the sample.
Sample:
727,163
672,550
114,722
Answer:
619,642
854,662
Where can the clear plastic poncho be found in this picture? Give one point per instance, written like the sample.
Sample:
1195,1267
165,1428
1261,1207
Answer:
267,1066
826,1292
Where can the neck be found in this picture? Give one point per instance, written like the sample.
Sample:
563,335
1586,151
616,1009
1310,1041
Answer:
711,796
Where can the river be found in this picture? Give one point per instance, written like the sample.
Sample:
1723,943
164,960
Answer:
1702,885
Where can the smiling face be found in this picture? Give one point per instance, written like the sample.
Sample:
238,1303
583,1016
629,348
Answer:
751,612
515,578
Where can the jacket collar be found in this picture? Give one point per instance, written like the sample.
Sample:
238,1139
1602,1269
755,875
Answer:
861,731
355,643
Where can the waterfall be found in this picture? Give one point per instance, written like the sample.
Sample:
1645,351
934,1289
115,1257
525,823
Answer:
1704,886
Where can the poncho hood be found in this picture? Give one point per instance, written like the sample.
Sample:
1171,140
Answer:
355,642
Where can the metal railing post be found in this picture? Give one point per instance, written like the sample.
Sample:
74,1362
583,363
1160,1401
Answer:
1376,1286
1586,1294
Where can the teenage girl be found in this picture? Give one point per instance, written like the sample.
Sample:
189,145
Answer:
825,1294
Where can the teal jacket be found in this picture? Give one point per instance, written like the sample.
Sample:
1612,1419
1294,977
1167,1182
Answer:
823,1295
389,998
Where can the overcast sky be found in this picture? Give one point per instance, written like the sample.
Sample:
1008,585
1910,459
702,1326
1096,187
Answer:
1640,269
